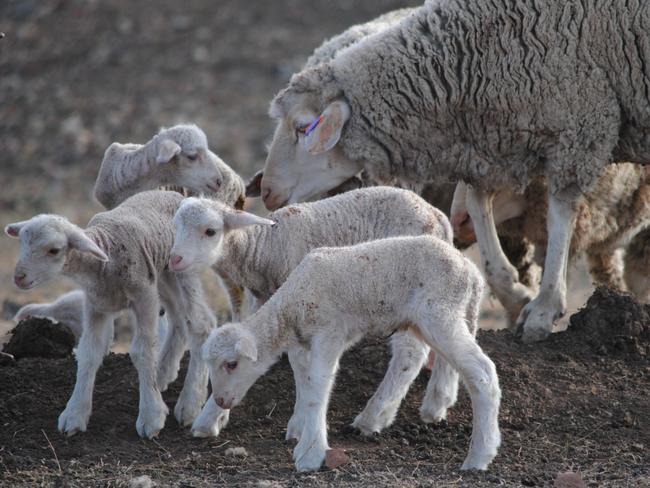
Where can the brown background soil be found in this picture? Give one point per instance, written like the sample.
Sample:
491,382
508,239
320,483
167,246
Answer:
567,404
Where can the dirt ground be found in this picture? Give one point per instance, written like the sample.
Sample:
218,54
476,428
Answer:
577,402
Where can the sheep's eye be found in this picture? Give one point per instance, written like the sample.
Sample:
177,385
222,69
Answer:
231,366
193,156
54,251
210,232
301,129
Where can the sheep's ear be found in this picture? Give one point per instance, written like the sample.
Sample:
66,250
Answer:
254,186
167,150
247,348
238,218
81,242
327,132
12,230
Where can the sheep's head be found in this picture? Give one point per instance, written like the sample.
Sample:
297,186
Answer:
200,228
232,356
185,160
305,159
45,241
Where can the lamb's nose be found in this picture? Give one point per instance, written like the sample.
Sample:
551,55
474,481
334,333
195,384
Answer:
175,260
19,278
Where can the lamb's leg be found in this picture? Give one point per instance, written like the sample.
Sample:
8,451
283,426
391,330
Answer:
299,360
235,296
211,420
442,391
68,309
408,355
538,316
502,276
93,345
201,322
174,344
451,339
310,451
153,410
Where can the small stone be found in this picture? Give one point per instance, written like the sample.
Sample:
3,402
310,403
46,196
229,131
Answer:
236,451
335,458
143,481
569,480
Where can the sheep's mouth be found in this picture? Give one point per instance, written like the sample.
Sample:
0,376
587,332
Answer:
26,286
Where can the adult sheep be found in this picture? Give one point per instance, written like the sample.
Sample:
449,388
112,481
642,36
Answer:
492,93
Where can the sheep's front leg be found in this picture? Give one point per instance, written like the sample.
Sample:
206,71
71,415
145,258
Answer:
211,420
408,355
538,316
310,451
501,275
93,345
299,360
153,410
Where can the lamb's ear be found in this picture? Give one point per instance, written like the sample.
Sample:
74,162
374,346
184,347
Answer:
246,347
12,230
81,242
254,185
327,132
234,219
167,150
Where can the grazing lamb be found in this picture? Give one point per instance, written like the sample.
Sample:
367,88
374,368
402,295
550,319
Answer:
260,259
493,93
420,285
120,262
608,218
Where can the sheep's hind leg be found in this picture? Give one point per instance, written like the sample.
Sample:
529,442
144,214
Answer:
93,345
152,409
501,275
174,342
451,339
536,320
408,355
442,391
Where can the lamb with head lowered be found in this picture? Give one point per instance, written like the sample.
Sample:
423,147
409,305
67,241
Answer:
336,296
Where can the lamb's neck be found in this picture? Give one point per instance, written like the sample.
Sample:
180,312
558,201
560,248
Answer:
237,250
273,334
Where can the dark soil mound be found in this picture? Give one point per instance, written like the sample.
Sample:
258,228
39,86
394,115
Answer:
35,337
613,323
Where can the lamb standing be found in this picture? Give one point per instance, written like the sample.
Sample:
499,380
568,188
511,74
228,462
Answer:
260,259
120,262
336,296
490,93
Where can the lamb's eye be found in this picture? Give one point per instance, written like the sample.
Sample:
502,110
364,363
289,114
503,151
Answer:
301,129
193,157
231,366
210,232
54,251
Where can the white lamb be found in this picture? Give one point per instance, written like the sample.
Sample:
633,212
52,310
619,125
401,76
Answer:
260,259
336,296
120,262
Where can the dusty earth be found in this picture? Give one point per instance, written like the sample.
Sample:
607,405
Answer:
577,402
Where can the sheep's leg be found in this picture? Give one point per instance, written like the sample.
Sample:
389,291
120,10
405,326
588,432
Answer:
408,355
538,316
502,276
153,410
235,296
211,420
175,339
606,268
93,345
441,393
68,310
299,360
451,339
201,322
310,451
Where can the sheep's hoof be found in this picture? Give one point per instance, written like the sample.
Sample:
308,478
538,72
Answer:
206,427
311,460
71,422
535,322
150,422
433,415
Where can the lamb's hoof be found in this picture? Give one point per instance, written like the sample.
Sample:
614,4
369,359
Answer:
71,422
309,459
186,411
367,427
433,415
294,428
206,427
151,421
479,463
